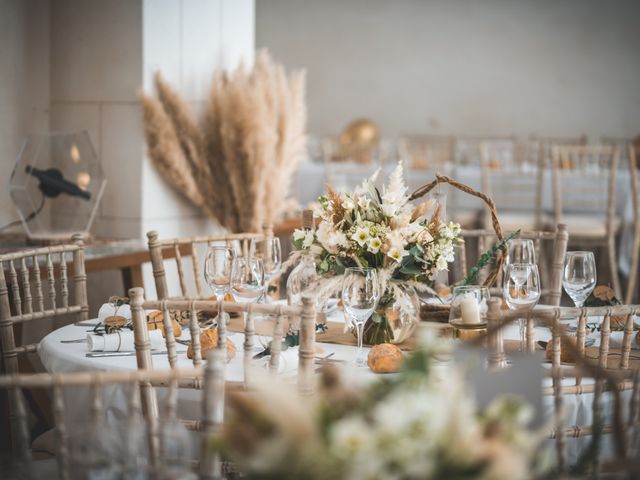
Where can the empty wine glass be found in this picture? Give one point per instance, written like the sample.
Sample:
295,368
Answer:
217,269
247,285
521,250
360,295
522,291
247,279
268,250
579,276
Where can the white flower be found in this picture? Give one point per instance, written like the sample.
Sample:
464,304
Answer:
298,234
397,253
374,245
441,263
364,202
308,239
349,436
361,235
389,209
347,202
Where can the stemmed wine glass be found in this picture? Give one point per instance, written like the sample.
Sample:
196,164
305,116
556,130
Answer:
217,269
248,284
579,276
522,291
360,295
521,250
268,250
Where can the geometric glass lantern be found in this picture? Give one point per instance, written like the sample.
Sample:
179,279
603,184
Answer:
57,184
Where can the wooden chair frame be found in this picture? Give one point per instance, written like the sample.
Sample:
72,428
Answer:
156,247
24,309
552,277
562,154
614,378
211,375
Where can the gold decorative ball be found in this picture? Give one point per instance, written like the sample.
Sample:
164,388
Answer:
362,131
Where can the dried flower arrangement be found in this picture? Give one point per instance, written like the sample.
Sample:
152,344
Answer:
236,163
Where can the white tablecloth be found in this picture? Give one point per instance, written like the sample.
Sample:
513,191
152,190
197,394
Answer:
60,357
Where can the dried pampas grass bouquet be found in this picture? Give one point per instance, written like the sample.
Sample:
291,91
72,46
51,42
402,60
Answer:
235,163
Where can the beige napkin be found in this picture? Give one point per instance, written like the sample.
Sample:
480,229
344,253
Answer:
107,310
121,341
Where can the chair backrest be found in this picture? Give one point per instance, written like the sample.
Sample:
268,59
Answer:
67,459
467,148
540,147
584,180
550,259
303,316
634,263
193,247
24,298
512,178
426,152
608,370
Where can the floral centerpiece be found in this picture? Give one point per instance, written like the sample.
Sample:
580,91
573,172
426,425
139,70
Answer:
417,425
407,244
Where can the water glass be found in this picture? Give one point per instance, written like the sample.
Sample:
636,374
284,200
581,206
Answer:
579,276
268,250
217,269
360,295
522,291
247,279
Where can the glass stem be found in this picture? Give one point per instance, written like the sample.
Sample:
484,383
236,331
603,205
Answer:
359,335
523,340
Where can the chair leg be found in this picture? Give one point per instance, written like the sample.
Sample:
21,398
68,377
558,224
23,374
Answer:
633,268
613,265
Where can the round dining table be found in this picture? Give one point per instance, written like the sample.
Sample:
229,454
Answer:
64,351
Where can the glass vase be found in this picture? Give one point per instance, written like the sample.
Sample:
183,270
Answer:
394,319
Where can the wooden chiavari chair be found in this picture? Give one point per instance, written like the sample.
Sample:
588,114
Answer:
193,247
427,152
584,196
67,462
550,259
467,148
27,292
304,315
423,156
513,179
594,371
634,263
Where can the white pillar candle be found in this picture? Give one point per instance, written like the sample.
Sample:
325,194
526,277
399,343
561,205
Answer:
469,312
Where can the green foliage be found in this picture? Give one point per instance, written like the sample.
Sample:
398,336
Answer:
486,257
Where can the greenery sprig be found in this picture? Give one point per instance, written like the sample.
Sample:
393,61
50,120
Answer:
486,257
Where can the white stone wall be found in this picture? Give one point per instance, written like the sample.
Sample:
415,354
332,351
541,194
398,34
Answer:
463,66
24,84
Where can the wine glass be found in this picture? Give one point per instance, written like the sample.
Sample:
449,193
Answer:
579,276
360,295
268,250
521,250
217,269
247,279
522,291
247,284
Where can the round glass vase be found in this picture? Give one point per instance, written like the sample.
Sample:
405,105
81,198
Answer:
394,320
